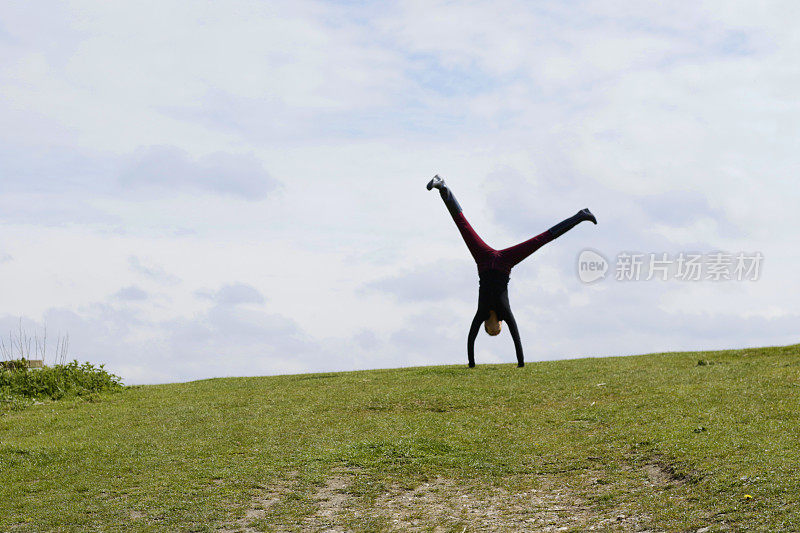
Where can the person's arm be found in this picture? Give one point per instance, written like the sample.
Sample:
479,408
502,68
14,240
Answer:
473,333
512,328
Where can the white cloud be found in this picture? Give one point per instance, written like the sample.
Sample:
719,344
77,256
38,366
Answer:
286,146
430,282
154,272
234,293
131,293
167,168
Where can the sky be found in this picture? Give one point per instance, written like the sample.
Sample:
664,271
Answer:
204,189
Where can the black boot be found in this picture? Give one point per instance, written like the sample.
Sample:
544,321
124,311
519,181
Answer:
565,225
437,182
588,216
447,195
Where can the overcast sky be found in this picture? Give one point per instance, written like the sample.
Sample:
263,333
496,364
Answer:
200,189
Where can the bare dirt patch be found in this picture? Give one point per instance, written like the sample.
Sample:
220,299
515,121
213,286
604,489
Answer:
443,504
259,509
660,474
332,497
447,504
262,505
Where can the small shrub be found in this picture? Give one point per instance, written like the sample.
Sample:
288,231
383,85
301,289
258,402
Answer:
56,382
14,364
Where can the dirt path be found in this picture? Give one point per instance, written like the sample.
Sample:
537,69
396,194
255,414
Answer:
444,505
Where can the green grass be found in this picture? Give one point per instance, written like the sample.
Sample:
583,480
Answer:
664,438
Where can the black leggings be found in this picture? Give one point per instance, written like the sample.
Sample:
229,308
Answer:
502,308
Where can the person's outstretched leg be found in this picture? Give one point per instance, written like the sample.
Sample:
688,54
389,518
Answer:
473,333
565,225
515,254
479,249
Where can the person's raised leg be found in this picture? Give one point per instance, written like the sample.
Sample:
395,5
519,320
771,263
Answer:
567,224
479,249
515,254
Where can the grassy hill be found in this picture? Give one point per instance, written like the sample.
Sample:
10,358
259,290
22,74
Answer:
674,442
